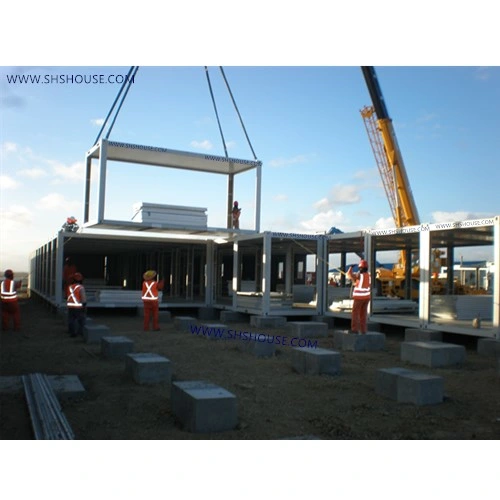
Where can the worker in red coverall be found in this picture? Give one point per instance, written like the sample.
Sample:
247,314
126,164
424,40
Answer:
10,305
150,299
361,297
69,270
77,306
236,212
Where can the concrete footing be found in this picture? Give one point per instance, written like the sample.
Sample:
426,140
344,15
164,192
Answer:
268,321
307,329
371,341
183,323
203,407
408,386
422,334
264,347
92,334
432,353
116,347
316,361
329,320
208,313
148,368
213,331
488,347
233,317
371,326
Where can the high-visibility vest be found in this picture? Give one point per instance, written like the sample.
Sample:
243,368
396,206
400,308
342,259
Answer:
74,296
9,290
149,290
362,289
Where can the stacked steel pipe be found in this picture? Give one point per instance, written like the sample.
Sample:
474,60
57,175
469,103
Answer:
45,411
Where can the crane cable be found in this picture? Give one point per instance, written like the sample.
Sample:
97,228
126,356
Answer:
216,113
237,111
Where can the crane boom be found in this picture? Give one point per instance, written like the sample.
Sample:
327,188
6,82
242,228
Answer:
387,154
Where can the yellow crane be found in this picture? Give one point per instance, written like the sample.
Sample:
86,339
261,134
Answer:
396,184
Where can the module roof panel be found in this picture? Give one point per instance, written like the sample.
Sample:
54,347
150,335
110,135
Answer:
163,157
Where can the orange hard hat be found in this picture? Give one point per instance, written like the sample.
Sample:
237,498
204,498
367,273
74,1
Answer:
363,263
77,277
236,203
9,273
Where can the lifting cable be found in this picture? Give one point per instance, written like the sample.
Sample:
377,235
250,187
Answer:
127,82
237,111
216,113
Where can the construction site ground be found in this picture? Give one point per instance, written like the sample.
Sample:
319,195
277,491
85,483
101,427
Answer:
274,402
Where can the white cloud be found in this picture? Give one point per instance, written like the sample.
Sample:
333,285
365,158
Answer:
323,221
7,182
15,217
452,216
56,201
280,197
8,147
339,195
74,172
98,122
33,173
206,144
385,223
322,205
283,162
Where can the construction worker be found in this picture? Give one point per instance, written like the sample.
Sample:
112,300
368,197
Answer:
361,297
69,270
236,215
77,305
10,305
150,288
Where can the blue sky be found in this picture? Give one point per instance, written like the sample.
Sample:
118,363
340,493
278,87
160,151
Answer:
304,125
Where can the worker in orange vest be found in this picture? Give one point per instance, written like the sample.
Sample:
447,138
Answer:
77,305
361,297
150,299
10,305
69,270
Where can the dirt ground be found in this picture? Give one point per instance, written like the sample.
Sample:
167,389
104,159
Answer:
273,401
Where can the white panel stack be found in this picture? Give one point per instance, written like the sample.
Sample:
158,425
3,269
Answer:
172,215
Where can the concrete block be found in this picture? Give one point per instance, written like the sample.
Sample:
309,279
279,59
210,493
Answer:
422,334
386,382
268,321
183,323
263,347
371,326
432,353
208,313
213,331
488,347
233,317
116,347
420,389
66,386
408,386
92,333
316,361
201,406
307,329
148,368
370,342
338,338
329,320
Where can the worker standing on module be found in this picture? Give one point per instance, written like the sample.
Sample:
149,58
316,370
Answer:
150,299
361,297
10,305
236,215
77,305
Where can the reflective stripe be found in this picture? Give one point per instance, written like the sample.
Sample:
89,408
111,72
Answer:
148,294
73,301
10,294
363,286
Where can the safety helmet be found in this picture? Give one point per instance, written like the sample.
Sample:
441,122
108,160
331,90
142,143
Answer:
77,277
9,273
149,275
235,203
363,263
